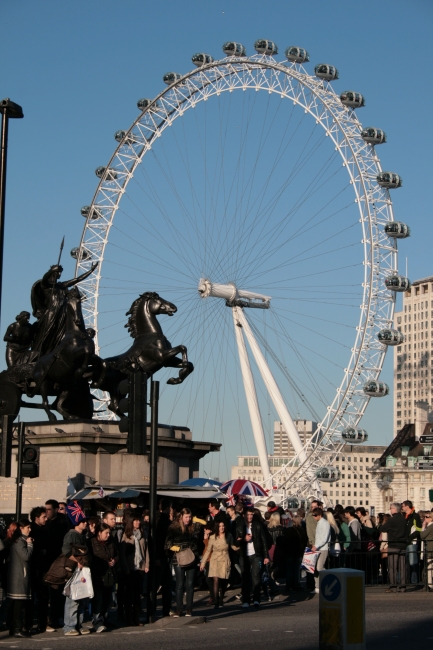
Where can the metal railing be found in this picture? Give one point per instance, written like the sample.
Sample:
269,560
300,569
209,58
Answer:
409,567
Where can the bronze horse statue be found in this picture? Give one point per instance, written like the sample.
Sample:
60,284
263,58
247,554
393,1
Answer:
150,351
66,370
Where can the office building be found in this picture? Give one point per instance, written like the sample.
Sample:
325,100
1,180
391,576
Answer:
282,444
413,369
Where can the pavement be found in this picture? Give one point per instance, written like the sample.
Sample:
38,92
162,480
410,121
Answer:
398,621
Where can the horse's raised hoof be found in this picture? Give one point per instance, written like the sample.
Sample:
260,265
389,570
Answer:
174,380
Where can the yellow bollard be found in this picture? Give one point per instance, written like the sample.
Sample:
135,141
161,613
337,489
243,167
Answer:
342,610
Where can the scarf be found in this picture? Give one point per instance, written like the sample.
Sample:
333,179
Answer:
138,557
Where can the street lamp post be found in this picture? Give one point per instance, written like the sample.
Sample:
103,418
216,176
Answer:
8,110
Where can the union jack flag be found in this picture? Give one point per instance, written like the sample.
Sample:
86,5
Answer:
231,501
75,512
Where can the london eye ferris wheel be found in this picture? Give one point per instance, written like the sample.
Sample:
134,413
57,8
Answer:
264,214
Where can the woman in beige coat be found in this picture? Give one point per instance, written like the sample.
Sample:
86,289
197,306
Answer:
217,552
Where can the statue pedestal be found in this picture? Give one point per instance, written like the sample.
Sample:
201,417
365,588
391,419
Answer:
94,452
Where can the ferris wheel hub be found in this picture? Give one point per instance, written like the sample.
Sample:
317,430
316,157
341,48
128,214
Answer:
233,296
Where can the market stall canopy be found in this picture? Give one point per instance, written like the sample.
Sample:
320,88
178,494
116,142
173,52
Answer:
98,492
201,482
118,492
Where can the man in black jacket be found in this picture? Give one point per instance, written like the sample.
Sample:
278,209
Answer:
40,565
413,530
56,528
215,514
162,561
253,555
395,527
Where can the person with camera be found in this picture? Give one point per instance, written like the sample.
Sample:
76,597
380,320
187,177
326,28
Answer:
254,554
18,580
181,543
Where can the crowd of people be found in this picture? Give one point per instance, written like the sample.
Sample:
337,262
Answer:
256,555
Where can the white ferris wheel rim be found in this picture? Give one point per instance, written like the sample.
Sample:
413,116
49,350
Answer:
316,97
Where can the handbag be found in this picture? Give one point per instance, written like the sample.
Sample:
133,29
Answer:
309,560
335,549
80,586
185,557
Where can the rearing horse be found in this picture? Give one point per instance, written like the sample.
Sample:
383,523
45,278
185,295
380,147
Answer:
150,351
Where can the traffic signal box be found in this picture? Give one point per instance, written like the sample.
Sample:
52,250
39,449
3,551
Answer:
134,404
30,462
30,457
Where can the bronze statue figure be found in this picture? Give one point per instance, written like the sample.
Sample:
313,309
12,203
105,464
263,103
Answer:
48,298
19,336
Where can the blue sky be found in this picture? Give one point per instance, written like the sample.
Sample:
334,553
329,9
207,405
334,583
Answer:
79,68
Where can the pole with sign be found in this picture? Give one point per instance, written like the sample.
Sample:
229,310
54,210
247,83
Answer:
342,610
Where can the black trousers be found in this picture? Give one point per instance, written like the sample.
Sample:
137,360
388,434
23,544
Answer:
396,564
41,595
251,566
57,605
132,603
164,580
21,615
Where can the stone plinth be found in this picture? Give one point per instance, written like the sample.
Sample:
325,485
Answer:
94,452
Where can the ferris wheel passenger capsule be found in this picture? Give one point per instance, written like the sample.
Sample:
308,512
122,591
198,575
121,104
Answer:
326,72
234,49
373,136
88,213
375,388
120,136
106,173
262,46
201,59
171,78
354,436
390,337
352,99
397,229
296,54
144,104
328,474
75,253
397,283
389,180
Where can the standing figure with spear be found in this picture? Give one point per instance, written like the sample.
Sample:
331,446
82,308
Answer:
48,298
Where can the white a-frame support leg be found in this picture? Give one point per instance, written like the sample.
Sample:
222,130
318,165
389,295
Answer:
250,393
272,387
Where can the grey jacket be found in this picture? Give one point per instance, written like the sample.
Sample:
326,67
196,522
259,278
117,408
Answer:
311,525
71,539
19,570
